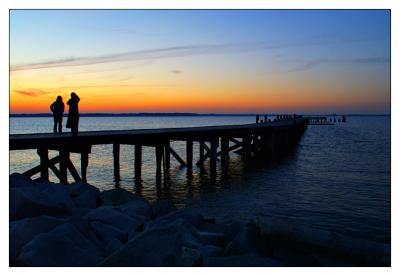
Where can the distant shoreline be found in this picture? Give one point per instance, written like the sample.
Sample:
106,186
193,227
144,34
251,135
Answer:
172,114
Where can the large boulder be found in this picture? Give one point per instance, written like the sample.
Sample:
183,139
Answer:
156,247
241,261
229,229
246,241
49,200
180,216
107,232
78,188
137,206
84,195
117,197
189,233
211,251
212,238
162,208
113,216
24,230
113,245
65,245
17,180
107,237
189,257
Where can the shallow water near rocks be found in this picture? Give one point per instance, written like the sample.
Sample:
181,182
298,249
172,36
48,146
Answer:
337,179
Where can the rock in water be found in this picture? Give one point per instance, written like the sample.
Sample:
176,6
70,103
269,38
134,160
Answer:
246,241
137,206
210,251
63,246
18,180
156,247
190,257
241,261
86,200
112,216
84,195
162,207
33,201
106,232
117,197
212,238
78,188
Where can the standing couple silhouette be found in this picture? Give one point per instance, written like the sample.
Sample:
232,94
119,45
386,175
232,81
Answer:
73,114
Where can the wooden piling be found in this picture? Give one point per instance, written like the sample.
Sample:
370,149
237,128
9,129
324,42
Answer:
167,154
189,154
213,156
224,149
159,153
84,165
44,162
64,157
201,150
246,151
116,154
138,163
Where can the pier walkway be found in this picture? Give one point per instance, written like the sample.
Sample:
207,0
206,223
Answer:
215,143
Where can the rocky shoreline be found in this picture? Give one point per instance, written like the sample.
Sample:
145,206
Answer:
77,225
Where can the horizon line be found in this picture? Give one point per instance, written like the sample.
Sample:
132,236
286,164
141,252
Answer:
139,114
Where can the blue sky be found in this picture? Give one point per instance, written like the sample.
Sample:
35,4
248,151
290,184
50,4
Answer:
340,53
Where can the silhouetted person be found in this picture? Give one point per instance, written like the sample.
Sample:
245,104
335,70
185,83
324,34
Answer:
73,113
58,109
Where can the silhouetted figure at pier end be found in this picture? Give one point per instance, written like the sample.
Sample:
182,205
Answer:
58,109
73,113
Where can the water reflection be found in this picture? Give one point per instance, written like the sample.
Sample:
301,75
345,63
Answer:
183,184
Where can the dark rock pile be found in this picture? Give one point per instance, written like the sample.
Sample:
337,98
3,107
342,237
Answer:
77,225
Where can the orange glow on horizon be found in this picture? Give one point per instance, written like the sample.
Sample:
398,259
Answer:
174,101
33,91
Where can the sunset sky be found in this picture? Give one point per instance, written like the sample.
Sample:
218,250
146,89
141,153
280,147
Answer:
220,61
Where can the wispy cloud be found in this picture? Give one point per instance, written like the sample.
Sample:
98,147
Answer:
305,65
188,50
31,92
111,86
176,72
160,53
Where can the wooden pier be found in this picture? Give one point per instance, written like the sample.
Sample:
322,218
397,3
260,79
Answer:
268,139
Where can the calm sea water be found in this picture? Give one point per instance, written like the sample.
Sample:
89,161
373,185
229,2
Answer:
337,179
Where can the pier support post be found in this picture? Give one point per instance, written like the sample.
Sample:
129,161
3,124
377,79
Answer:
224,149
201,150
159,154
84,165
167,154
246,146
213,156
44,162
116,153
64,157
138,163
189,154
